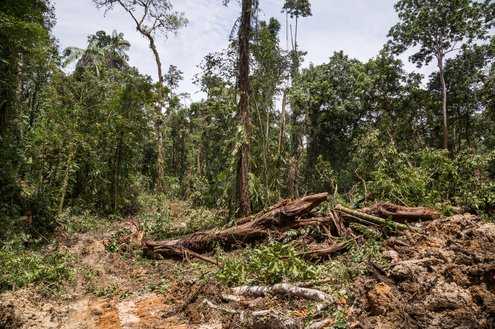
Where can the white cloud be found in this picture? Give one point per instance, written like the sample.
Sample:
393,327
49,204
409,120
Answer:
358,27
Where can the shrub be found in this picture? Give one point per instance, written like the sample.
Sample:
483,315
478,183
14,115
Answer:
427,177
267,265
20,268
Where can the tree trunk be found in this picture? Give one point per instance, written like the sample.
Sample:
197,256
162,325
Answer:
280,142
158,115
444,103
271,223
282,124
242,192
65,183
401,214
116,182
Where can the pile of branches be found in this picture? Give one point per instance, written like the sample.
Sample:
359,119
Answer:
336,225
288,215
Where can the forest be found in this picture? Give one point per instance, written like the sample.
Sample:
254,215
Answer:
347,194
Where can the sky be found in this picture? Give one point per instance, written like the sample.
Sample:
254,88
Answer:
358,27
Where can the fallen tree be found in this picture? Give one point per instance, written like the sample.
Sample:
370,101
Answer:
284,216
271,223
401,214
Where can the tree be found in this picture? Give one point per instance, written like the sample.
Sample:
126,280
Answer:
150,17
242,191
102,50
466,76
26,55
269,65
332,95
297,8
439,28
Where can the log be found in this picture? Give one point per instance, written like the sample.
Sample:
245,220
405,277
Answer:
252,217
283,289
401,214
324,252
373,219
272,223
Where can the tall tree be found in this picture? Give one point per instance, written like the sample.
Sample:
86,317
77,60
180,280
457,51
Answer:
242,191
150,17
439,28
296,9
102,50
26,54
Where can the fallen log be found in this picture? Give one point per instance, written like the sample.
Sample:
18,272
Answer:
373,219
252,217
283,289
401,214
324,252
273,223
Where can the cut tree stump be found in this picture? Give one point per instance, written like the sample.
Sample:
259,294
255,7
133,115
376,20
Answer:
272,223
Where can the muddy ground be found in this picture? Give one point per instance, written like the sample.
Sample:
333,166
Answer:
443,277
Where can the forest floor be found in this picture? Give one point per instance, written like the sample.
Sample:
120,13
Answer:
442,277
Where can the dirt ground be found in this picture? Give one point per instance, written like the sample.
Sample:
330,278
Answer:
443,277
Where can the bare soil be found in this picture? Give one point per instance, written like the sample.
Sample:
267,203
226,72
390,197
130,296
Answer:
443,277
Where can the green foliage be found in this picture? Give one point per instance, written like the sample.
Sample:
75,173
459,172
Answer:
333,96
267,265
83,222
26,53
112,245
20,268
352,263
202,218
438,27
368,232
105,291
89,141
161,287
161,217
298,8
427,177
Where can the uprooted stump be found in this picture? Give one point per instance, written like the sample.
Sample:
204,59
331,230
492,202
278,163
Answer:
272,223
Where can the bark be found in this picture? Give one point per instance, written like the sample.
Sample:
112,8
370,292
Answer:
252,217
242,192
400,213
373,219
283,289
324,252
272,223
158,113
444,103
282,125
281,140
65,183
